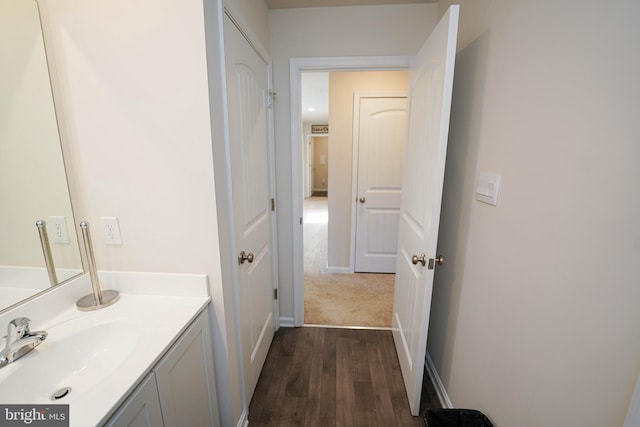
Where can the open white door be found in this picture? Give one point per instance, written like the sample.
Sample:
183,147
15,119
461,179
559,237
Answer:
247,89
431,83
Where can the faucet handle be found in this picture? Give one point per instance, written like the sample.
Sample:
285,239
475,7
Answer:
20,321
18,328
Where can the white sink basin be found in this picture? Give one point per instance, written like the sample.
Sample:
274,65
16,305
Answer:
71,356
102,355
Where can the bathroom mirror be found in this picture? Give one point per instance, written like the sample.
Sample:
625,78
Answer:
33,183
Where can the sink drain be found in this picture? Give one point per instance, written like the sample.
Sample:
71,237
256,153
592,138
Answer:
61,393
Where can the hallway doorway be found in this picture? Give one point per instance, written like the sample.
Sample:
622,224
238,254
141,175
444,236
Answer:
333,294
339,248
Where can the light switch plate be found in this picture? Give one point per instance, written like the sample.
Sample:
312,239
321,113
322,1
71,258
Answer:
488,188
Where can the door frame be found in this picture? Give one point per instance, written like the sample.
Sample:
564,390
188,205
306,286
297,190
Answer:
355,161
296,67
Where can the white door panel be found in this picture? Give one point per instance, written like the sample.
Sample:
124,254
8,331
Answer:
431,83
381,130
247,88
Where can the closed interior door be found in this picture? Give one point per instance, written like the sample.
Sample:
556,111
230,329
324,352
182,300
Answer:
247,87
431,83
381,133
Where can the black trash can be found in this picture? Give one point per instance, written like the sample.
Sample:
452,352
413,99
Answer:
456,418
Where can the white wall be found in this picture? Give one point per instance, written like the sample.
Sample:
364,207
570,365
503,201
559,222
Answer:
535,312
325,32
134,91
253,14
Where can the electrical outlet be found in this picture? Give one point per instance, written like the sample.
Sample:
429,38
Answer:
111,230
58,230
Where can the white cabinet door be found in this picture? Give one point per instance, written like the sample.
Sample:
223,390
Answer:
141,409
186,383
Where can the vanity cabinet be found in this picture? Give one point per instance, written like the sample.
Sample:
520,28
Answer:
180,389
142,408
186,384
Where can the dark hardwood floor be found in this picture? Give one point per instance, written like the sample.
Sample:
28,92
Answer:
333,377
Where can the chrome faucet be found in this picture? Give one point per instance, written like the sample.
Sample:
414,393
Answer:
20,340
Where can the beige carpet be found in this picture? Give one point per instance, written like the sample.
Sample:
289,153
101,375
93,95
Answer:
348,299
359,299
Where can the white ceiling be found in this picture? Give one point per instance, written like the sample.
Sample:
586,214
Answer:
315,94
292,4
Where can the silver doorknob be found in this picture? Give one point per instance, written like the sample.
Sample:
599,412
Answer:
422,259
432,261
245,257
362,200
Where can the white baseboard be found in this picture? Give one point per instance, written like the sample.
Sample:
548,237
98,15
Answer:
244,419
286,322
437,383
338,270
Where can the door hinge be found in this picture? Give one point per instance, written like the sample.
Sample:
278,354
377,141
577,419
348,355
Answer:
273,204
270,95
275,293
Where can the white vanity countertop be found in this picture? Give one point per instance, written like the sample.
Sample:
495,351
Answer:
112,349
